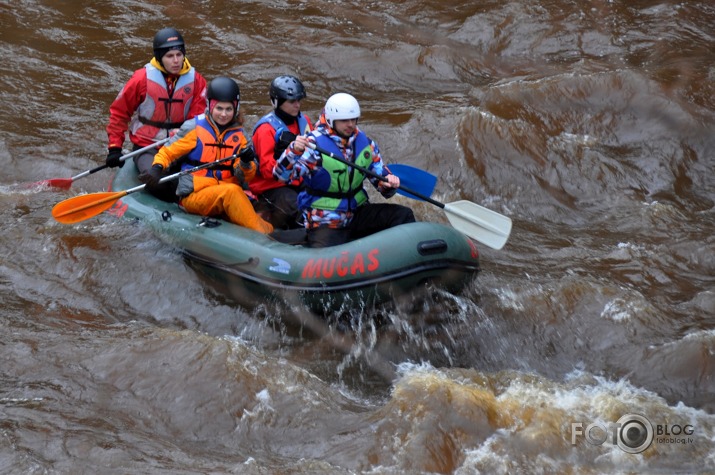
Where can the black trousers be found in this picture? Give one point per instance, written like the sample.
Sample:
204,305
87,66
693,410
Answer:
368,219
280,207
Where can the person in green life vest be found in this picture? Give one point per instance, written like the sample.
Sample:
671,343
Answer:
334,204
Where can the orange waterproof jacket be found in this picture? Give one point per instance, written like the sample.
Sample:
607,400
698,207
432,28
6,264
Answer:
201,142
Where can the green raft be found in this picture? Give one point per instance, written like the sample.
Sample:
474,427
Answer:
251,267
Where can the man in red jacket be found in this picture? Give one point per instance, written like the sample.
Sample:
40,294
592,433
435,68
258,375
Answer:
156,100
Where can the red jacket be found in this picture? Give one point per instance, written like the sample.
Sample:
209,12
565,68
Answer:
264,143
134,95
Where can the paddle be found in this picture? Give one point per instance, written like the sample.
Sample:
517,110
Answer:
477,222
413,178
82,207
66,183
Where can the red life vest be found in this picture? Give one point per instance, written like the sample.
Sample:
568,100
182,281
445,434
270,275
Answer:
160,112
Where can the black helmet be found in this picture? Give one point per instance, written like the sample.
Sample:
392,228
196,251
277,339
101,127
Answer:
167,39
286,88
223,89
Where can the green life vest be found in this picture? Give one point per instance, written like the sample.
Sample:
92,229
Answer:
345,191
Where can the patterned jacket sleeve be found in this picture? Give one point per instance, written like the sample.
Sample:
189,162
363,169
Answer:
292,166
378,167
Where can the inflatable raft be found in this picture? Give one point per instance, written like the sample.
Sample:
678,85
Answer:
251,267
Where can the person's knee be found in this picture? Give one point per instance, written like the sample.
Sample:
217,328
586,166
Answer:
326,237
406,215
287,199
411,217
143,162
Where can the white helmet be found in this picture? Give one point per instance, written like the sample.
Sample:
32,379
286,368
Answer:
341,106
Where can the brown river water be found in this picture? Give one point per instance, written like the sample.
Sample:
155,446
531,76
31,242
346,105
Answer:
589,123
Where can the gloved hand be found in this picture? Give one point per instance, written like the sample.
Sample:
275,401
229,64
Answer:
284,139
247,155
113,158
152,176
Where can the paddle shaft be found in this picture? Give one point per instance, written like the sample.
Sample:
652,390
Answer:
182,173
477,222
122,158
116,196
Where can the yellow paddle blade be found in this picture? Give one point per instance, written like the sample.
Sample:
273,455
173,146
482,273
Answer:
78,208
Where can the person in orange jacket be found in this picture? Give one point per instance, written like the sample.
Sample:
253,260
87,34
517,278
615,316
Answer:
157,99
216,134
271,135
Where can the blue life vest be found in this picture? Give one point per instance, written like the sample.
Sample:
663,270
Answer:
279,126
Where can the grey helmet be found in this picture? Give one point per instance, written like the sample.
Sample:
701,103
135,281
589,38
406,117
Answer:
286,88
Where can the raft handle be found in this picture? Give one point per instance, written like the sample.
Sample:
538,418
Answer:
434,246
209,222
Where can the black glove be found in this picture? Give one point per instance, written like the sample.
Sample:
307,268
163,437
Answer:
152,176
113,158
247,155
284,139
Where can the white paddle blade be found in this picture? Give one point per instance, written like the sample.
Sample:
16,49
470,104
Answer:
479,223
